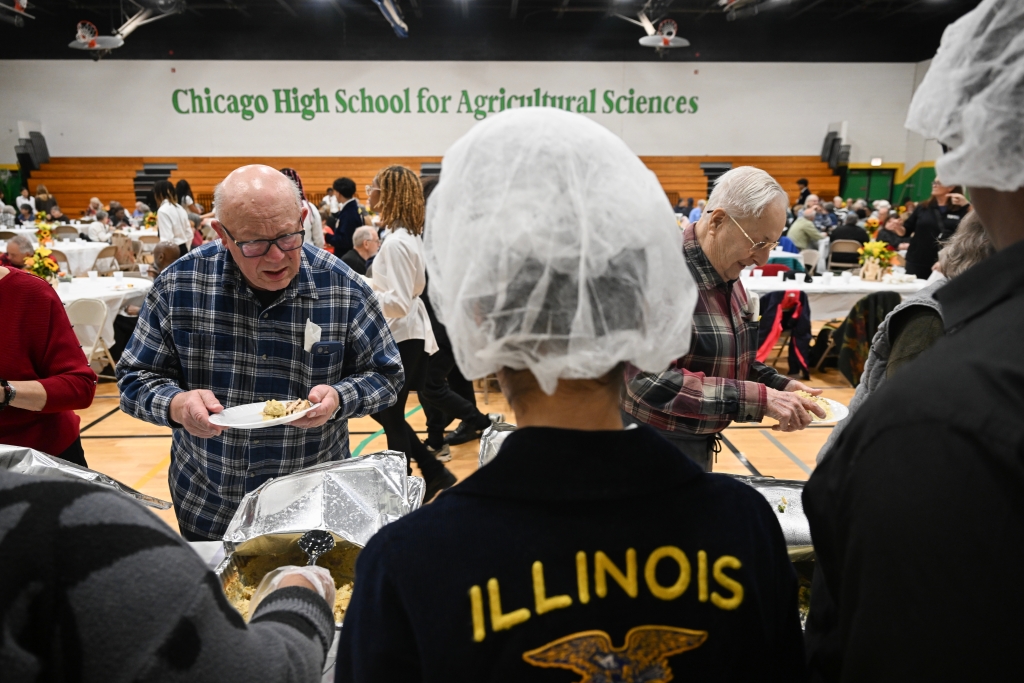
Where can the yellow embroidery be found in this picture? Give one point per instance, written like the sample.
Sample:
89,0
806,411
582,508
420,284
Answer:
499,621
718,571
476,601
679,587
545,604
603,566
642,659
582,581
702,576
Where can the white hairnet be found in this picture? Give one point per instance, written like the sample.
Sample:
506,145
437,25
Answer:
550,246
972,98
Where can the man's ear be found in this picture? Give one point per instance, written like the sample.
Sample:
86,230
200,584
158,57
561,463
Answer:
219,229
302,217
715,220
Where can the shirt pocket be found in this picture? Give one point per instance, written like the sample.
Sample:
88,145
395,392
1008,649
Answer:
207,361
322,368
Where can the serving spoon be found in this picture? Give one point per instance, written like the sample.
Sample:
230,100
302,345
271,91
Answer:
315,543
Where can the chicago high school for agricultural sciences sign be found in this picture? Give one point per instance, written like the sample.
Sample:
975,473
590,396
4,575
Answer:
423,101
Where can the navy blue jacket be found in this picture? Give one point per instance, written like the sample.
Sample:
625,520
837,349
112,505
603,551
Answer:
603,554
348,221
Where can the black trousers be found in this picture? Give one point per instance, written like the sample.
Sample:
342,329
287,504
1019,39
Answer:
442,402
401,436
74,453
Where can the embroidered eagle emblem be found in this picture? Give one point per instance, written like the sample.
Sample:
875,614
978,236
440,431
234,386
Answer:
643,659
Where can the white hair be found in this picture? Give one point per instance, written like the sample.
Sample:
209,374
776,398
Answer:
219,194
24,244
745,191
362,234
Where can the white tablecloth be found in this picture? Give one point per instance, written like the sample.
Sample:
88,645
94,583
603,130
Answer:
81,255
108,290
834,300
145,232
25,232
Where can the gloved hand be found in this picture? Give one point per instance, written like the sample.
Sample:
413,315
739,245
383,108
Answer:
317,578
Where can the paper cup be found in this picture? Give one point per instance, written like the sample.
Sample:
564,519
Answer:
758,272
847,276
118,275
826,278
93,274
744,273
143,269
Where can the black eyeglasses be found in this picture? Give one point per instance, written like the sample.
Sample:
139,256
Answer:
254,248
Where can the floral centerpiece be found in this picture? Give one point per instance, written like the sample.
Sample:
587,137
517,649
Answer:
150,220
43,234
41,265
40,216
875,259
871,225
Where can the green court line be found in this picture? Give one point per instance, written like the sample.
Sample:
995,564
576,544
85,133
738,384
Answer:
379,432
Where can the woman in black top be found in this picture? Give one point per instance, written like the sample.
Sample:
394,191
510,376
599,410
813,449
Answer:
932,221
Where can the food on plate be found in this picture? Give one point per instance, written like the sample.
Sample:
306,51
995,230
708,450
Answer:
275,409
341,562
823,402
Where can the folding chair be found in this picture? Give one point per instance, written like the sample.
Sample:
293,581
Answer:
843,247
62,260
810,257
87,315
7,234
106,261
62,231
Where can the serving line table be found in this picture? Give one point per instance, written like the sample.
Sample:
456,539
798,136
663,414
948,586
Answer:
111,292
833,300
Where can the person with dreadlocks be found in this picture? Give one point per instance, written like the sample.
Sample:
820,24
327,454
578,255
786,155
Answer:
311,222
399,278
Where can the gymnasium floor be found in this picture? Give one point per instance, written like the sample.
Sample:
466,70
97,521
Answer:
138,454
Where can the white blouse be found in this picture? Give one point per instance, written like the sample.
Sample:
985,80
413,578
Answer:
399,277
99,232
172,224
313,226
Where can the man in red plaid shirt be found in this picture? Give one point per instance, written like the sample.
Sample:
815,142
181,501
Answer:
718,381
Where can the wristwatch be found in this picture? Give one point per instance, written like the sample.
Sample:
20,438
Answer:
9,394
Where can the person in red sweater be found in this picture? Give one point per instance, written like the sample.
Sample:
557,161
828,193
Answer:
44,375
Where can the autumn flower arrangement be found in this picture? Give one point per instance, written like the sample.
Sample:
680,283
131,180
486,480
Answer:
43,234
875,258
41,265
150,220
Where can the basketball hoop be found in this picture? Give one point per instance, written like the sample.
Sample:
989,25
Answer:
87,33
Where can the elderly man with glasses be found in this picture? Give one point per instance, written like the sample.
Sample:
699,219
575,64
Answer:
252,317
719,381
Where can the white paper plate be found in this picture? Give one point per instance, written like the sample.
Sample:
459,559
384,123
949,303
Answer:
250,416
839,411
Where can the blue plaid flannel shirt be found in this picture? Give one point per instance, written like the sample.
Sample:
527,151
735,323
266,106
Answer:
201,327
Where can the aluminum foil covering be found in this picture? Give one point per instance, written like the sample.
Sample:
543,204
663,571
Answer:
29,461
353,499
786,498
491,440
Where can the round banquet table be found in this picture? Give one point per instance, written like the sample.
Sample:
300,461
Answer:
24,232
833,300
111,292
81,255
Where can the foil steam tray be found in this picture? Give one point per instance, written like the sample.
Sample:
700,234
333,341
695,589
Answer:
353,499
491,440
786,498
29,461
